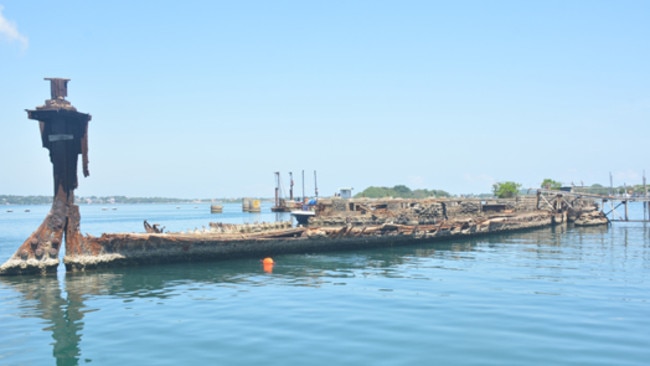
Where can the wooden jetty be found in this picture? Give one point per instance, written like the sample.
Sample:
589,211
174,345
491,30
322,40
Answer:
609,204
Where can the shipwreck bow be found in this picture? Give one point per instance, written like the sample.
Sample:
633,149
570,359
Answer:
64,132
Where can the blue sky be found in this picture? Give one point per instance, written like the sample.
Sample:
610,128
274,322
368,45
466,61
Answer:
204,99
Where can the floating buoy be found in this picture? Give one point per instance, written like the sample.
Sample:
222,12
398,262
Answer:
268,263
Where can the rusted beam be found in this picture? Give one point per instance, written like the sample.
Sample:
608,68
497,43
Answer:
64,132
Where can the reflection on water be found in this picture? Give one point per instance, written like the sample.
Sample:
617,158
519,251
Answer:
63,313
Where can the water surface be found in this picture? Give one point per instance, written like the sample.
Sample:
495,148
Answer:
563,296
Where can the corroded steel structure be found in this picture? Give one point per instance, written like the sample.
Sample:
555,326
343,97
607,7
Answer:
64,132
337,224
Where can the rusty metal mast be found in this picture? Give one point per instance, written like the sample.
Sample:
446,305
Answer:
64,132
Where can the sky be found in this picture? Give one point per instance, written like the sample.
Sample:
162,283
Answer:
207,99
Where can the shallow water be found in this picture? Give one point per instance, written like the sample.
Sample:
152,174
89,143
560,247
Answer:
551,296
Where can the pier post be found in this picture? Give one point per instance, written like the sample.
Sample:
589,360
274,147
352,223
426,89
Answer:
277,189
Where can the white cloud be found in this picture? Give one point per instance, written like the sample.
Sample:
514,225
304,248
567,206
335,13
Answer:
9,31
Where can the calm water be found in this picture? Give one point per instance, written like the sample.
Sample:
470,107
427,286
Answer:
564,296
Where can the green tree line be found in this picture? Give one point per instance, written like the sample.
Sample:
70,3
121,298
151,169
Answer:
400,191
25,200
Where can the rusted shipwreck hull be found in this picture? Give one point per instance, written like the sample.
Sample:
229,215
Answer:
115,250
354,225
340,224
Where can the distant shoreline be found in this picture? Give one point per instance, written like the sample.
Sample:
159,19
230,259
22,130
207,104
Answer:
11,200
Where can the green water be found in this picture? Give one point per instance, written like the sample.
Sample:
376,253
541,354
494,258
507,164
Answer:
563,296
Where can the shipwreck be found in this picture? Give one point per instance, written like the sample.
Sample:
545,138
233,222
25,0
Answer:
338,223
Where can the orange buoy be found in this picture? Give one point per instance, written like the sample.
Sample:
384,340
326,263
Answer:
267,263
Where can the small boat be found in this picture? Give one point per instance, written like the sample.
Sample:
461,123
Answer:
302,216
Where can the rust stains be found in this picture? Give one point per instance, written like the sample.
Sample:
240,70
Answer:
64,132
